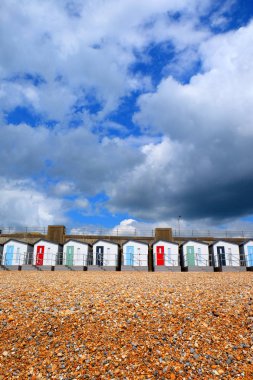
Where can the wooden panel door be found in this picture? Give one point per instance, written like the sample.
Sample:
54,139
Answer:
129,255
221,255
70,255
250,256
190,256
160,255
9,254
100,256
40,254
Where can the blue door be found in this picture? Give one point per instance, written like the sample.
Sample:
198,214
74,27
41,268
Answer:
9,254
129,255
250,256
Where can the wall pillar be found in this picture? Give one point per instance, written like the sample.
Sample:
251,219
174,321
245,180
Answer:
163,234
56,234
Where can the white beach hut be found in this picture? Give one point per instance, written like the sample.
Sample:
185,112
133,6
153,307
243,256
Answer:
47,253
75,253
195,256
226,255
105,255
16,252
135,255
165,256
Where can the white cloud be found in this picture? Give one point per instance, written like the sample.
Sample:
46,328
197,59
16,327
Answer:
21,204
202,167
84,48
63,188
218,100
74,158
82,203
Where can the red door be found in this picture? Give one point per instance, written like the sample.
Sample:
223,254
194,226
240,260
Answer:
40,255
160,255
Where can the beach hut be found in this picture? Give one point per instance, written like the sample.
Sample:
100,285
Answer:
16,252
105,255
195,256
47,253
75,253
226,256
165,256
135,255
246,253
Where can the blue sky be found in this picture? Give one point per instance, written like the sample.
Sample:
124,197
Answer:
126,114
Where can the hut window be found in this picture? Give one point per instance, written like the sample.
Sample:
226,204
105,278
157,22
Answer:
198,256
108,255
18,254
169,256
230,257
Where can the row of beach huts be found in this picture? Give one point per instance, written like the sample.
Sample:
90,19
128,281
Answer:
161,255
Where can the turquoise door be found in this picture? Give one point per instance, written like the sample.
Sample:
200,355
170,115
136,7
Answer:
250,256
129,255
9,254
190,256
70,255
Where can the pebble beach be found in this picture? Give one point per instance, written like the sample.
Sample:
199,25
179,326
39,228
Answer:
113,325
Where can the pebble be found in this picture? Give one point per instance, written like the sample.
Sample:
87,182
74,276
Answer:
126,326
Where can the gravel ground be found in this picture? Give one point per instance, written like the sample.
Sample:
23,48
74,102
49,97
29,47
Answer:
126,325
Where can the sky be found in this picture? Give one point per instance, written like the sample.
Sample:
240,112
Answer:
126,114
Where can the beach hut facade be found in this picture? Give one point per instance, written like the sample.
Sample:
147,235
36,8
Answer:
135,254
195,254
246,253
165,253
105,253
16,252
225,254
75,253
47,253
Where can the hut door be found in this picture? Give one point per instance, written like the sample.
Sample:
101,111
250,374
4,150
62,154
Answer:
160,255
250,256
190,256
99,256
70,255
40,254
9,254
129,255
221,256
